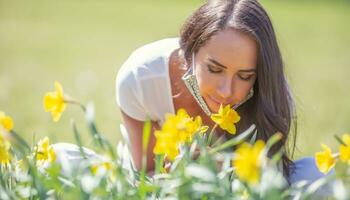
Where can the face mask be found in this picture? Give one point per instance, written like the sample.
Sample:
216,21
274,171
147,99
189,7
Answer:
191,83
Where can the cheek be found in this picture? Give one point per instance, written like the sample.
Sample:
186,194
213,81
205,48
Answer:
241,89
206,81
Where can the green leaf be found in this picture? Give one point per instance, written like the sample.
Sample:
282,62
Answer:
159,161
78,140
253,138
273,140
201,172
146,134
237,140
22,144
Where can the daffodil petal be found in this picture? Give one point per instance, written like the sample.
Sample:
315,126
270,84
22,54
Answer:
216,118
54,102
346,139
324,160
50,101
344,153
247,161
5,155
59,89
259,146
2,115
7,123
231,129
221,109
44,152
57,112
204,129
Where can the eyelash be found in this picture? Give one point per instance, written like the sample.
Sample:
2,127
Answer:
219,71
245,79
210,68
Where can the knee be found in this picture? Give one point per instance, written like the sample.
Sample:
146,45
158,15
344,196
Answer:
306,169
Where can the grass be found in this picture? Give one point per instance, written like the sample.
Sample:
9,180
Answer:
83,43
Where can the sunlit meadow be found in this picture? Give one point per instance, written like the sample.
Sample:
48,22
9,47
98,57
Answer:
189,163
83,43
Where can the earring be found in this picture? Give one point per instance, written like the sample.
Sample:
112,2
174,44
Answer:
250,95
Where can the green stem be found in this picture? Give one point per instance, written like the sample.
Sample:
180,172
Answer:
339,140
72,101
78,140
234,141
21,141
211,134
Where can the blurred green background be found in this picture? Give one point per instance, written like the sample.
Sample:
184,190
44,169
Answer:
83,43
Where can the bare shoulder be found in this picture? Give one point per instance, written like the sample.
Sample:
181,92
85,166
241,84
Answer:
178,89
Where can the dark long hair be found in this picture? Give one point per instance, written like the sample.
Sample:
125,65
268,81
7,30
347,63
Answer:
271,108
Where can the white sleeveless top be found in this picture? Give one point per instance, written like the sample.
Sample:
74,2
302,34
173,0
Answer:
143,86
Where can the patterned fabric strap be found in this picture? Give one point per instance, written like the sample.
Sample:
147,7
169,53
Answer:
192,86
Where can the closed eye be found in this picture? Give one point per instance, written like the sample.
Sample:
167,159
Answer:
213,69
246,77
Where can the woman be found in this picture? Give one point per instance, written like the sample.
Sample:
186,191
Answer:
227,53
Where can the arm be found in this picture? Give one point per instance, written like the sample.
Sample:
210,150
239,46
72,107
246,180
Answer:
134,128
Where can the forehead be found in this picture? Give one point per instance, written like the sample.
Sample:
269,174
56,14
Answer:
231,48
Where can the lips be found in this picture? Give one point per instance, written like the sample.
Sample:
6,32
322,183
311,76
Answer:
217,102
214,100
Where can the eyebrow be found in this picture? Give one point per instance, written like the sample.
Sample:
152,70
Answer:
223,66
217,63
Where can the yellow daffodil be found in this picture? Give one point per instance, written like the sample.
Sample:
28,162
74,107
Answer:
54,102
166,144
245,195
4,150
196,125
247,161
176,129
101,166
175,124
344,150
104,167
44,152
324,159
6,121
226,118
21,165
191,127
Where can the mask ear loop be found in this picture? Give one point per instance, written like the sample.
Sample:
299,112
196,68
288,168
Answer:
190,81
193,65
190,71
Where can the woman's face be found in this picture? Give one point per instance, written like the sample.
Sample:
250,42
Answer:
226,68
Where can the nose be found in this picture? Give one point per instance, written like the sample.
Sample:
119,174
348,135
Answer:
225,89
